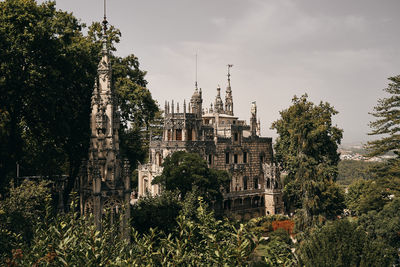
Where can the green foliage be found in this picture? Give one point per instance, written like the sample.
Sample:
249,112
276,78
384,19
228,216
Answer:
276,245
156,212
46,79
281,235
305,129
183,171
341,243
387,113
73,240
19,212
307,150
352,170
366,195
385,224
278,253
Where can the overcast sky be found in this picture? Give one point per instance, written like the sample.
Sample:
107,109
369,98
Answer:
341,52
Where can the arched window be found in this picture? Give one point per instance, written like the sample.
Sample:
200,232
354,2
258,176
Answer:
145,185
245,182
178,134
158,159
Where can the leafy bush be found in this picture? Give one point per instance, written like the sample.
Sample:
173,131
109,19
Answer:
20,212
158,212
70,239
342,243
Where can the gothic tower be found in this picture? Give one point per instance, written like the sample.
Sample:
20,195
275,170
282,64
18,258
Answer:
105,181
218,104
228,96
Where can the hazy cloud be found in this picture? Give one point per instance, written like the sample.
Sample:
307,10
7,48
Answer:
336,51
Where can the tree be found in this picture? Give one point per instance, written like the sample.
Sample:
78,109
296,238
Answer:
183,171
307,150
383,225
342,243
25,207
387,115
156,212
366,195
46,81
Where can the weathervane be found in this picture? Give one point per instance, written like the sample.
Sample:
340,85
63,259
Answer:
229,67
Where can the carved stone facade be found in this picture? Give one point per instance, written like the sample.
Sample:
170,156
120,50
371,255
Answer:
105,177
226,143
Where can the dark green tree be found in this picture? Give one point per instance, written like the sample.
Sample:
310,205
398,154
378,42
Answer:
366,195
307,150
183,171
46,81
342,243
158,212
385,224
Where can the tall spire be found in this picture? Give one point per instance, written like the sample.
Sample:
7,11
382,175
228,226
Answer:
195,84
228,96
106,174
105,22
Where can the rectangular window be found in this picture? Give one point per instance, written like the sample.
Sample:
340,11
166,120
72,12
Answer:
189,134
244,157
227,158
210,159
235,158
169,135
236,136
178,134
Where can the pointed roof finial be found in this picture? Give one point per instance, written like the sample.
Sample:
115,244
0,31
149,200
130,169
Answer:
105,19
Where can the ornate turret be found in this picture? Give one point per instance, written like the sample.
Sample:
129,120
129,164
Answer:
228,96
218,104
196,102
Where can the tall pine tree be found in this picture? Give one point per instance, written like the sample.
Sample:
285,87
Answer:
387,123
